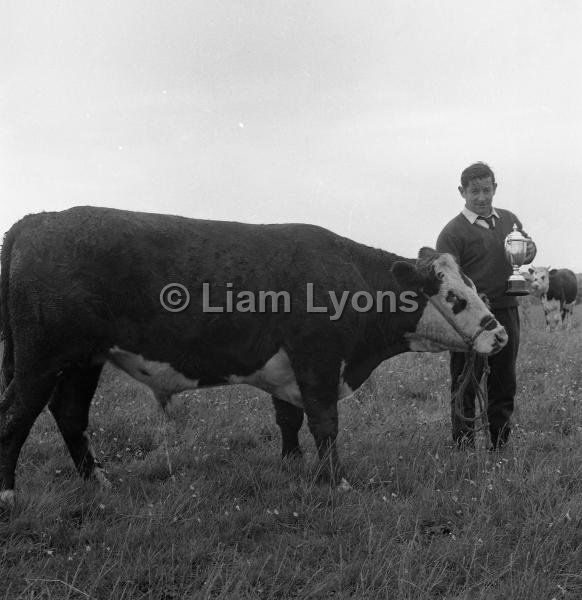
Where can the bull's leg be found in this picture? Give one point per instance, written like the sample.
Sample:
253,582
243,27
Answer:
289,418
322,418
70,405
550,321
568,315
21,403
571,307
317,374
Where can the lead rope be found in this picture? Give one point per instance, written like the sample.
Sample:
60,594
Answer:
469,374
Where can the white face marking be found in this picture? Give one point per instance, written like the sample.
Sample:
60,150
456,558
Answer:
540,281
434,334
276,377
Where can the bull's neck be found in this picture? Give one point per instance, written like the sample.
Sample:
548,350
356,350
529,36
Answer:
383,333
373,264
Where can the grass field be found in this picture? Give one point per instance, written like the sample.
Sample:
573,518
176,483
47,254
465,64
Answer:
202,508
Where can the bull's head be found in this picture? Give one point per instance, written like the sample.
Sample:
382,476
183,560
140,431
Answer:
454,316
539,280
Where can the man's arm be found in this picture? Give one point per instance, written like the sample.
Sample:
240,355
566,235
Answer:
446,242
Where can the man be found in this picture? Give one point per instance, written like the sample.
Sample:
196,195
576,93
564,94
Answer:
476,237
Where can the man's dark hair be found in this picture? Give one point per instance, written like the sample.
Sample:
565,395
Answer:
478,170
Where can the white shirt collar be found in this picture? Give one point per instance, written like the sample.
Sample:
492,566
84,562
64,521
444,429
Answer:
472,216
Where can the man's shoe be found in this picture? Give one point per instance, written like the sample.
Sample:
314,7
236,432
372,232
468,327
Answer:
500,438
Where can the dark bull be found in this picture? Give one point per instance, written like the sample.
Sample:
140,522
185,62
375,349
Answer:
82,286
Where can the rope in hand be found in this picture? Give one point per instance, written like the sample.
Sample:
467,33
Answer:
470,373
470,376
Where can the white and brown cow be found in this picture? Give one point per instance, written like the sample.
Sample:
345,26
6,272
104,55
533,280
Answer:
557,289
84,286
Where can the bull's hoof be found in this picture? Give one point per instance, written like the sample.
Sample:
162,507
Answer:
293,464
101,479
7,500
292,457
344,486
332,477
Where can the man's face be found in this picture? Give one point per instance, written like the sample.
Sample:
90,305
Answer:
478,195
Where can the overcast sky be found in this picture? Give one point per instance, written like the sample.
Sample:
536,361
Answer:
358,116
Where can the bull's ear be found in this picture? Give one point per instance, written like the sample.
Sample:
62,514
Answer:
406,275
426,256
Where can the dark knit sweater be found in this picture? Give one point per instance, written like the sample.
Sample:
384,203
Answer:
481,253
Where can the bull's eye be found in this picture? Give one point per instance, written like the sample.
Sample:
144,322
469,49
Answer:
440,275
459,304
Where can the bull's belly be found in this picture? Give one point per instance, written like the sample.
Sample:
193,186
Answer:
275,377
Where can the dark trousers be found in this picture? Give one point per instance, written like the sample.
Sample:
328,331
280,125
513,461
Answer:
501,386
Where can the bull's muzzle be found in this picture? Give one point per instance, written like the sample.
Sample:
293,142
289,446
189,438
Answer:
490,338
500,340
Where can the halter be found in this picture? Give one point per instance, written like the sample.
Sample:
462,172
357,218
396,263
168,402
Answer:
469,340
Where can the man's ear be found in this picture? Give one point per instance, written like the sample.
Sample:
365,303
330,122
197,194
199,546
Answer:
406,275
462,191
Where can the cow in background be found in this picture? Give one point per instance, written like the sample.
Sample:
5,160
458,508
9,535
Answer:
557,289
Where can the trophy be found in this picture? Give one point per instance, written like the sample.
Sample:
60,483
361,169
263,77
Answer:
515,251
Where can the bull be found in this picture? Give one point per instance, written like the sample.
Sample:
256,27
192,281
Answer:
85,286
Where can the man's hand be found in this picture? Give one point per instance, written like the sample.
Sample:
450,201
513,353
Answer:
530,252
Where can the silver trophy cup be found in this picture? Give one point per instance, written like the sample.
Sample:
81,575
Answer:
515,251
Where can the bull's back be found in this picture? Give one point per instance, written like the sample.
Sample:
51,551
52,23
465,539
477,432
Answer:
93,239
563,285
90,278
88,267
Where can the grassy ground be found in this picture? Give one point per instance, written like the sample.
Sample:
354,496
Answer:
201,508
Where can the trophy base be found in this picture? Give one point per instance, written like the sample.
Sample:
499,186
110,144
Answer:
516,286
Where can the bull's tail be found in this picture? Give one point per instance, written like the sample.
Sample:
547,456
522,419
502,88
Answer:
7,369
